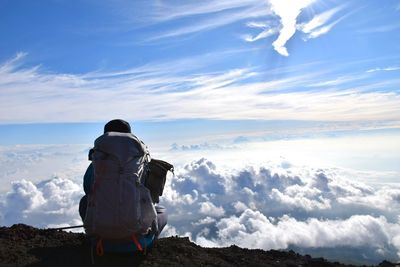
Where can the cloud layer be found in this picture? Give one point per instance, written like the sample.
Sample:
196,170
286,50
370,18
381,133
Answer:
273,205
38,162
166,91
281,206
46,204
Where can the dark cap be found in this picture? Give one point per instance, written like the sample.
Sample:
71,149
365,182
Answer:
120,126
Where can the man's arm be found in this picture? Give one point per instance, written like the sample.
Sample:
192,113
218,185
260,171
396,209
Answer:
88,179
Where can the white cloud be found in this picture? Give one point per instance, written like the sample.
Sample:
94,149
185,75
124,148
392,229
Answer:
298,200
257,24
394,68
269,205
305,194
206,220
287,11
48,203
24,195
166,91
218,14
202,146
339,80
170,11
264,34
250,228
39,162
316,26
385,199
306,208
318,20
210,15
322,30
208,208
240,206
268,29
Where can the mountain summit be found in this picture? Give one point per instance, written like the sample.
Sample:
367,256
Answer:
23,245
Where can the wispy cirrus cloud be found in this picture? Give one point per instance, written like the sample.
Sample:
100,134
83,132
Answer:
318,20
323,30
339,80
267,31
288,13
170,91
168,11
210,15
318,26
393,68
381,28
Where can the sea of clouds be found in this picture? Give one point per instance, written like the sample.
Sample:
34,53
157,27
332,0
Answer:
268,205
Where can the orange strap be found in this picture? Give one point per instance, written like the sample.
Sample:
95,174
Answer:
99,247
137,243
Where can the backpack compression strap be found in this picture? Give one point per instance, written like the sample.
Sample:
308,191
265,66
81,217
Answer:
99,247
139,247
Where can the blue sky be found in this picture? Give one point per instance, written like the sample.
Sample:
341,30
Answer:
89,61
289,109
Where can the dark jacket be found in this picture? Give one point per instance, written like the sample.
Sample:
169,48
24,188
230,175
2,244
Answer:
88,179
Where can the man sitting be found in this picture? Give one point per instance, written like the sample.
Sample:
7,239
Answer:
115,178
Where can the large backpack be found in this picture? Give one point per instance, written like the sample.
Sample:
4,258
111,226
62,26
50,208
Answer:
119,206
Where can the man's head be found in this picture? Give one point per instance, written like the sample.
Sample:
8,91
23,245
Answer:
120,126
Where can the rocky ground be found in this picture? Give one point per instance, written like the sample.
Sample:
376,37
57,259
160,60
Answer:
22,245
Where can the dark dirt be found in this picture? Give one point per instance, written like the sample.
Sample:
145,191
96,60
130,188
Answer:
22,245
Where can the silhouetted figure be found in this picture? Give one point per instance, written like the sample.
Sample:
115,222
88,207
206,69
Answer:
118,204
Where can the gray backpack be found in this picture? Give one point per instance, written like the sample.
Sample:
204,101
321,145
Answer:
119,206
